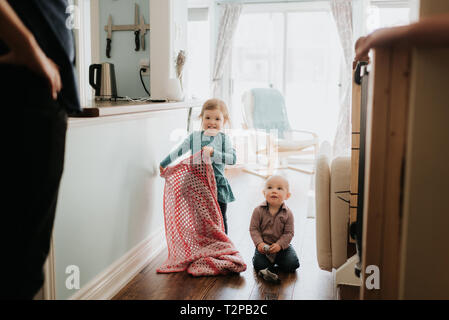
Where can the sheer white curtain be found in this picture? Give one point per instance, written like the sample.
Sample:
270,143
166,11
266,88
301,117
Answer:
342,13
228,25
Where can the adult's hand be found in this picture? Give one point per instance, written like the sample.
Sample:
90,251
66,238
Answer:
32,56
360,56
381,38
432,31
24,50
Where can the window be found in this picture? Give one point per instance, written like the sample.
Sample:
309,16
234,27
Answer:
313,56
257,56
297,52
198,53
388,13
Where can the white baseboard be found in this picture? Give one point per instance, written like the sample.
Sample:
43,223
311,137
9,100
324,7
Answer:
108,283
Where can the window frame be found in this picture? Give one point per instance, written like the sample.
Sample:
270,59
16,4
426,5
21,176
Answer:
285,9
210,5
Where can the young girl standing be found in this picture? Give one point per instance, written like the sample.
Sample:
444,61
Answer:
214,115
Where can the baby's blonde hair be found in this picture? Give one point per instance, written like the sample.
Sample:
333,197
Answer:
216,104
278,176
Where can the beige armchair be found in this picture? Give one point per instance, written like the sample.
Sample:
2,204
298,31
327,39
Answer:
332,185
332,213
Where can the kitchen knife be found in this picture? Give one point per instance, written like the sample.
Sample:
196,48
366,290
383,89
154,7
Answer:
143,30
109,37
136,26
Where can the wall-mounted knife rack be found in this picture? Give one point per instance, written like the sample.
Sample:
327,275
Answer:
139,28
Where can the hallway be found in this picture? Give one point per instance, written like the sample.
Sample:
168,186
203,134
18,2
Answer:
309,282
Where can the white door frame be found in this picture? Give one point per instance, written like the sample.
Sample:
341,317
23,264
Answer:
49,287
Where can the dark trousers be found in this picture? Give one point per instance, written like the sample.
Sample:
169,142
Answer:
38,144
223,207
285,259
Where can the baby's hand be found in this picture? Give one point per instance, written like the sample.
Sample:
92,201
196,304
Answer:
275,248
208,150
260,247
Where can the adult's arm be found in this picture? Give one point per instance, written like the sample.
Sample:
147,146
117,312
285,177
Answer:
24,49
428,32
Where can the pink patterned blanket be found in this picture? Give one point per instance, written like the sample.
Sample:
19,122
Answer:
194,227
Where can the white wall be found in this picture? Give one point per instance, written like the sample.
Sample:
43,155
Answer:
111,193
168,36
123,55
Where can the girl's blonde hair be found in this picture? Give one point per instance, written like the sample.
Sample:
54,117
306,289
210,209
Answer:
214,104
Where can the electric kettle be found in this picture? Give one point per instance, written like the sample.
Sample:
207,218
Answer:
102,79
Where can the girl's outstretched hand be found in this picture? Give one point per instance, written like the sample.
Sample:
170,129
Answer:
209,151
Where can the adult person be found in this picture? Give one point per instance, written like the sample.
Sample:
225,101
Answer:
38,89
432,31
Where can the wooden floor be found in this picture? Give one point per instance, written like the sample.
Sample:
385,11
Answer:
348,292
309,282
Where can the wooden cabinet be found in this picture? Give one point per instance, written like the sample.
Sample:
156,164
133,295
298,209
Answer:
406,206
385,154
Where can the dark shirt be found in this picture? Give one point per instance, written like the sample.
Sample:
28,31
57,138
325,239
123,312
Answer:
47,21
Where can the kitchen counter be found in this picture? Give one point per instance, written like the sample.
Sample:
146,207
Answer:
108,108
110,111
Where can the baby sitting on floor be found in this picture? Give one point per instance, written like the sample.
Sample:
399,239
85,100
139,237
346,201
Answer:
272,230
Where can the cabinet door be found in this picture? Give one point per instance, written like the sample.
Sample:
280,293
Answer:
385,153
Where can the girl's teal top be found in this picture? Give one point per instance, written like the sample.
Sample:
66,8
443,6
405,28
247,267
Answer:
223,154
